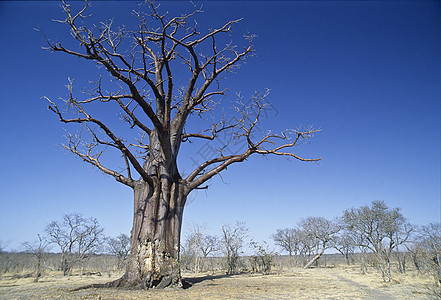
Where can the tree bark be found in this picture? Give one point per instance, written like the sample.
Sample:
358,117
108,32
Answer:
157,222
155,237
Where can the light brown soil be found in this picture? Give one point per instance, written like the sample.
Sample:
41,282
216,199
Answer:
317,283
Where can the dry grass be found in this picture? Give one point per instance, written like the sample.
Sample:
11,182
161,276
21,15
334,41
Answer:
317,283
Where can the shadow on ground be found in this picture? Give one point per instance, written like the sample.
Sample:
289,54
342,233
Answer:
190,281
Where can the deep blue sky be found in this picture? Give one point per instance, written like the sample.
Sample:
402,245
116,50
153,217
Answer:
367,73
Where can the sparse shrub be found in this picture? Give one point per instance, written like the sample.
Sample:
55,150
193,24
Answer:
38,249
233,240
263,260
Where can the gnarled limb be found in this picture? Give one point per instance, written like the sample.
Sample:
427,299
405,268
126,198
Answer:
116,142
244,127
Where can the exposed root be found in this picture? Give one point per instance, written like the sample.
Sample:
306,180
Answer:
91,286
111,284
147,283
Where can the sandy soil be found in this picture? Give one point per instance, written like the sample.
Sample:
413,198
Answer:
318,283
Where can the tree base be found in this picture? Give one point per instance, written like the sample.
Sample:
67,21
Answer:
166,281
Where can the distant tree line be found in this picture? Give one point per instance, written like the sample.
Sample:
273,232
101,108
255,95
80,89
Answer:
373,236
376,233
201,252
77,239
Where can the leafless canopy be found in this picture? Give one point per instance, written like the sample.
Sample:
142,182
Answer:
77,237
39,250
233,239
289,239
119,246
379,229
145,69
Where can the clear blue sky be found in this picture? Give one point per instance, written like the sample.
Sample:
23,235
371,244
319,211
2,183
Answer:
367,73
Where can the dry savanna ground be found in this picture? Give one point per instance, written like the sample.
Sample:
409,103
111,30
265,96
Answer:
295,283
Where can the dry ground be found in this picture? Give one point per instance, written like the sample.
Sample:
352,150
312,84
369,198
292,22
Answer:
318,283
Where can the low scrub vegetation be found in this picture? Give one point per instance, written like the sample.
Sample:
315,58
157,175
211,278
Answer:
375,240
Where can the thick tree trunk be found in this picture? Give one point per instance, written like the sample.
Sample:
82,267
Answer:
157,221
155,237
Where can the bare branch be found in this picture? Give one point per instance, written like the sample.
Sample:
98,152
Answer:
244,128
73,144
116,141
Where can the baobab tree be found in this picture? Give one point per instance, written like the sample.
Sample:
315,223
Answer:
141,76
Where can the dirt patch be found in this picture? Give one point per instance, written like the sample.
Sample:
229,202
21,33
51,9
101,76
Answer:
318,283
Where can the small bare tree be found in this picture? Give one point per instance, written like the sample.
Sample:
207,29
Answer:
289,239
429,241
320,234
263,258
197,247
210,245
233,242
39,250
379,229
345,245
193,246
415,252
77,237
120,247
